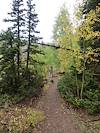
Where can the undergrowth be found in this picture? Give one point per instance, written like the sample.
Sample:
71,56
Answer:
91,94
19,120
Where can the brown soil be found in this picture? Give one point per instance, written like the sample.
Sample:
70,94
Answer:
58,119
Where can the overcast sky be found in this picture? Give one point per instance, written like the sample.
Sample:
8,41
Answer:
47,10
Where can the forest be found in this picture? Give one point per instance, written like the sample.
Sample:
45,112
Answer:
25,63
80,84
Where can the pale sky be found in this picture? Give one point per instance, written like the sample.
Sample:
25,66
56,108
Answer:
47,11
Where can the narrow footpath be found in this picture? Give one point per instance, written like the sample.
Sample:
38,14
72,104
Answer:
57,118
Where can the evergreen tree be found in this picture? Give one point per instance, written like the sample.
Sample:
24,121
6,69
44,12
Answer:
7,63
90,5
31,22
17,18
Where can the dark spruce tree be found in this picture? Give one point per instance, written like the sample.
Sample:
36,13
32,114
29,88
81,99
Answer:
31,22
7,62
90,5
17,18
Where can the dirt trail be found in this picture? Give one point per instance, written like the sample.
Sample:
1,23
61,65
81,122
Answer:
57,119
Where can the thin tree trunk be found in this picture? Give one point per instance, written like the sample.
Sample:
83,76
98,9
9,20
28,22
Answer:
83,74
78,95
18,49
77,85
83,79
29,41
13,65
18,61
28,52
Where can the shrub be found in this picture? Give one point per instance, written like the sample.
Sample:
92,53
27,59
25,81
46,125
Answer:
91,93
28,87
